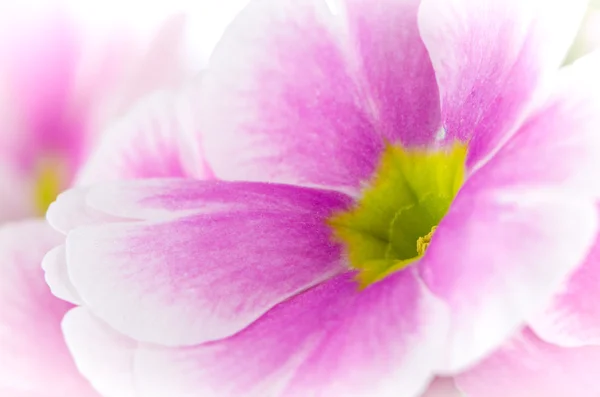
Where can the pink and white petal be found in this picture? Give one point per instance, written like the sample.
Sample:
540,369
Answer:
207,274
442,387
497,258
492,60
314,89
154,140
35,360
70,210
332,340
573,317
57,276
101,354
559,144
527,366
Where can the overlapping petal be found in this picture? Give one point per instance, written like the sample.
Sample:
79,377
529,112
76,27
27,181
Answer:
573,317
512,226
155,139
331,340
35,361
498,257
527,366
305,92
492,60
209,259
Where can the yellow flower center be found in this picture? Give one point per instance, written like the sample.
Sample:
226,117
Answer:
49,182
394,221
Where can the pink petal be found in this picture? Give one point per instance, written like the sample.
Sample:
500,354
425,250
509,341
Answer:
497,258
332,340
442,387
154,140
573,318
16,195
528,367
490,59
558,144
57,276
202,274
110,370
70,210
34,359
314,88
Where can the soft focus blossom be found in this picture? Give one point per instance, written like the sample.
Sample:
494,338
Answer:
61,80
367,195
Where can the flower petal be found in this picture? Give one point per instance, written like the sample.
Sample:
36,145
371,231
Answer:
332,340
152,141
442,387
57,275
70,210
112,354
34,360
573,318
491,57
566,128
16,194
527,367
205,274
313,90
498,256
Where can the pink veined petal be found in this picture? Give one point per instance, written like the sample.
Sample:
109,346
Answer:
207,273
154,140
442,387
545,175
557,145
527,366
332,340
492,59
314,89
497,258
34,360
110,370
573,317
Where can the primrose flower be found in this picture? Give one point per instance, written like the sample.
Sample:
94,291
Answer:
383,192
61,81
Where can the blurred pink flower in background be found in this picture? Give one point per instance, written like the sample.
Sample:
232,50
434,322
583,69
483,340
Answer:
229,288
67,71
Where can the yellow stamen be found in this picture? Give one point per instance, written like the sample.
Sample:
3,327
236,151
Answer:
423,242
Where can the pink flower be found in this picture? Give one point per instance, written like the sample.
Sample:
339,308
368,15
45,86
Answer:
61,81
63,84
391,190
